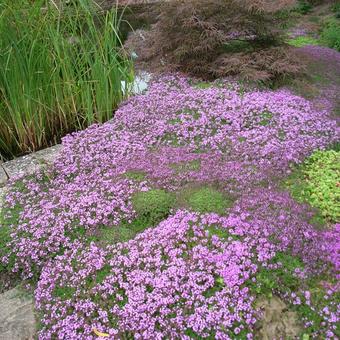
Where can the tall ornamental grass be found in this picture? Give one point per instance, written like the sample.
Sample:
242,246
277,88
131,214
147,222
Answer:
61,69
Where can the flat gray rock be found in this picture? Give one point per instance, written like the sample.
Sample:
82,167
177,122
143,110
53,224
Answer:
26,165
49,154
17,321
3,176
2,196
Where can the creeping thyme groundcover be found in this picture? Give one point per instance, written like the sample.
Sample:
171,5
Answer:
193,275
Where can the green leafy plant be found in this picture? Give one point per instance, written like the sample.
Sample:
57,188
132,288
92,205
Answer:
336,9
60,70
303,7
317,182
330,34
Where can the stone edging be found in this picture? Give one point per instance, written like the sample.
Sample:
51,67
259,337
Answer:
26,165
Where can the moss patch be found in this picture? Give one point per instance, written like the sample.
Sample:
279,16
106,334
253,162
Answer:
203,85
266,118
303,41
172,139
8,217
4,236
152,206
205,200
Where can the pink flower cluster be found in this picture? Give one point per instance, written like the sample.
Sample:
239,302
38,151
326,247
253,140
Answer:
53,216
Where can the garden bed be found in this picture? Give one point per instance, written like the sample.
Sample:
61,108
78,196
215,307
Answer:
201,163
202,210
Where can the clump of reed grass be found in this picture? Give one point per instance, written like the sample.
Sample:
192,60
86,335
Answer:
61,69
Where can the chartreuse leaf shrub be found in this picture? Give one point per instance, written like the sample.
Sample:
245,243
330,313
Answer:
317,182
322,177
60,71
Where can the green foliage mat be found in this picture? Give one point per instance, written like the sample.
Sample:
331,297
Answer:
205,199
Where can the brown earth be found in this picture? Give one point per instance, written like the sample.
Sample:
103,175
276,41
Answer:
278,322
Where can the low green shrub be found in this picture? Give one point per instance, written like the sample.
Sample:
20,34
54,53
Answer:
336,9
330,34
303,7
